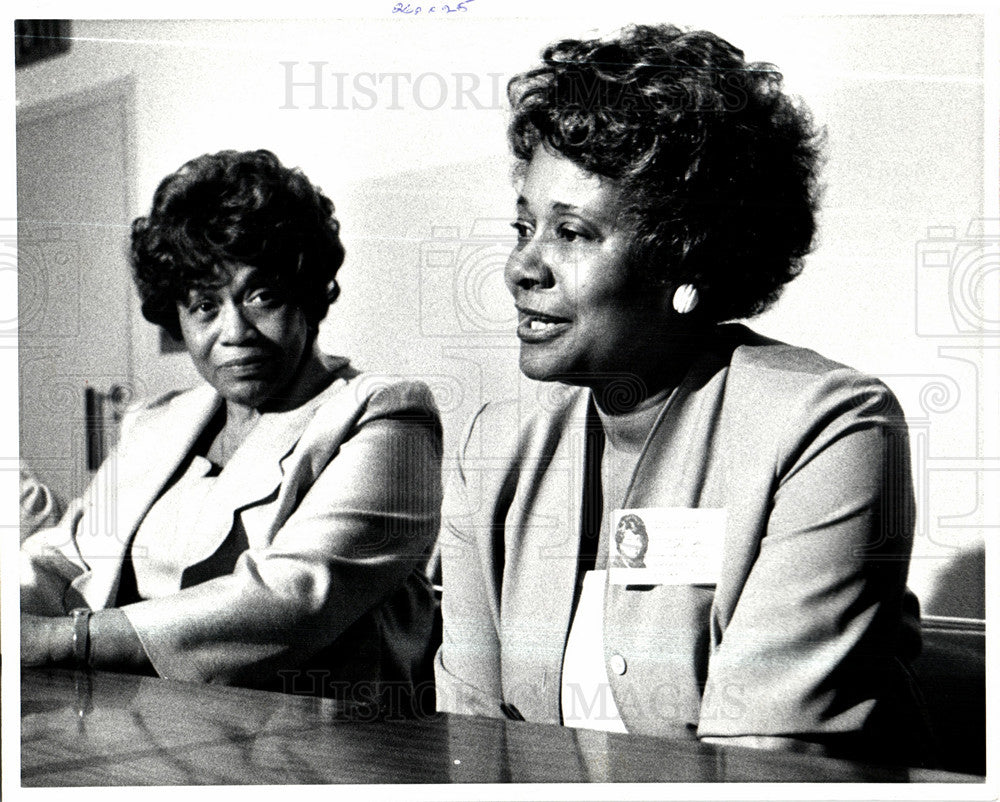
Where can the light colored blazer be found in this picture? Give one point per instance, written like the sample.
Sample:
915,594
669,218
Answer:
328,511
805,634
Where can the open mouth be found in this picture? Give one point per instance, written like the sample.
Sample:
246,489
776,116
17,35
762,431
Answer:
535,326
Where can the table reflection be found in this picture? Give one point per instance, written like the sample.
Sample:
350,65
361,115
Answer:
114,729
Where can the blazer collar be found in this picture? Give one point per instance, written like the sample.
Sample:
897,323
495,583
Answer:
128,483
545,514
162,440
153,448
255,471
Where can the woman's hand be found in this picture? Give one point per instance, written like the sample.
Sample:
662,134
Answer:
46,576
46,641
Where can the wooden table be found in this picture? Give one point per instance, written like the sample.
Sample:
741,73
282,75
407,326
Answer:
116,729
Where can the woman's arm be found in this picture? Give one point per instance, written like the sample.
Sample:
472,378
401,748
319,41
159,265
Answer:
50,558
811,650
113,643
361,527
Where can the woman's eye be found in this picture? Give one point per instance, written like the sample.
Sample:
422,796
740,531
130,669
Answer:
523,229
570,234
262,298
202,308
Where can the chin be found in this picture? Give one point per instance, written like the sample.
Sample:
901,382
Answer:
532,372
249,396
538,371
536,366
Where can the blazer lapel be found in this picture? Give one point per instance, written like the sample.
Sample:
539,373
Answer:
155,449
698,423
130,481
666,475
254,473
541,565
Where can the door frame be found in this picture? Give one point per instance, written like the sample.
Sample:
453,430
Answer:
120,92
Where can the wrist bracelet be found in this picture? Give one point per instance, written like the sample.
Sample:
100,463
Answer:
81,637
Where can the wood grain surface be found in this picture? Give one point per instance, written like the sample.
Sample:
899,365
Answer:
116,729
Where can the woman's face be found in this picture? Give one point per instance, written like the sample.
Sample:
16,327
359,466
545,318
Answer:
583,316
632,545
244,338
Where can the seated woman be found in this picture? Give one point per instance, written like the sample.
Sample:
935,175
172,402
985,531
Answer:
269,528
667,186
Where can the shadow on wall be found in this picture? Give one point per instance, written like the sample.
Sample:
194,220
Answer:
960,588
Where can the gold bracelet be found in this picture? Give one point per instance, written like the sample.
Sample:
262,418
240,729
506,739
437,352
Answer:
81,637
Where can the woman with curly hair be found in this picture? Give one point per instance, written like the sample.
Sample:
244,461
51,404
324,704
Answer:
665,187
269,528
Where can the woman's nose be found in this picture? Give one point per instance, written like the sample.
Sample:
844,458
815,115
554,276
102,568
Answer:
527,268
236,327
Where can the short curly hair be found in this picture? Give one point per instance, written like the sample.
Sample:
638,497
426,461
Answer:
718,167
236,207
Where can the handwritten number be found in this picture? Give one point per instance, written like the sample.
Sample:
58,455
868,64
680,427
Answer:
399,8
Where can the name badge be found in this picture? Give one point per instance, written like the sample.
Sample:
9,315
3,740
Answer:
666,546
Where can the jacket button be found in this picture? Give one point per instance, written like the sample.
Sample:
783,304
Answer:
618,664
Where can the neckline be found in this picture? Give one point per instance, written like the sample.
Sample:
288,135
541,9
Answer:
628,431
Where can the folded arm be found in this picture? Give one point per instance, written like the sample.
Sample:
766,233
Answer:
361,527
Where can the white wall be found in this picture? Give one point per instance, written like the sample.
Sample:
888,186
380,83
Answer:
903,101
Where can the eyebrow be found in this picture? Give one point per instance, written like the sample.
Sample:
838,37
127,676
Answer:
199,291
255,279
559,206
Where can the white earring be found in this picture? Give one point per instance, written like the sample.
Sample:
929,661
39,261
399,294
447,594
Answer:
685,298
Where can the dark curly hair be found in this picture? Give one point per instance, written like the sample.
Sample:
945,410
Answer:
236,207
717,165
